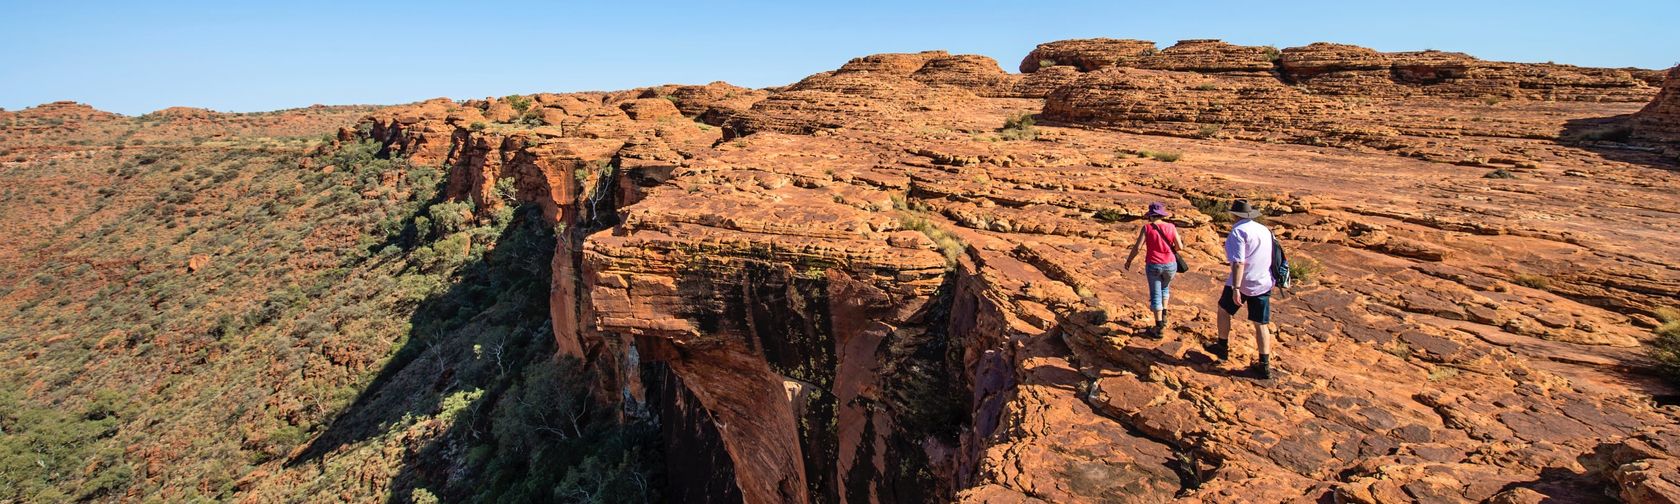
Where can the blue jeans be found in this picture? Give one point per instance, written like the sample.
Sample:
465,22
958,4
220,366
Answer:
1160,284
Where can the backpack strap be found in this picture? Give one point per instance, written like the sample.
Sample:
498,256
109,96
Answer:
1172,244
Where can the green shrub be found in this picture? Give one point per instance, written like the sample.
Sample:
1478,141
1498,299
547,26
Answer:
1303,269
1110,215
1500,174
450,216
1163,156
422,496
1018,127
1666,347
519,103
531,118
948,244
1213,208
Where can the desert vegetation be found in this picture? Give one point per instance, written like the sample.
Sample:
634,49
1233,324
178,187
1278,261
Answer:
1666,347
307,312
1018,127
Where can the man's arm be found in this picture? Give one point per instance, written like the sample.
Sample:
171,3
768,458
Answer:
1236,282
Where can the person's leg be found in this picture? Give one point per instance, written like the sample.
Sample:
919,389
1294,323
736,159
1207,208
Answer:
1260,313
1168,271
1156,301
1226,308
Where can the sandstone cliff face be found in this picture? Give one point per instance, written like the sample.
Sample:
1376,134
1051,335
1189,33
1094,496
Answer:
856,291
1660,120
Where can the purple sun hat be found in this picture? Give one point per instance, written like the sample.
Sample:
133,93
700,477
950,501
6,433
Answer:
1157,209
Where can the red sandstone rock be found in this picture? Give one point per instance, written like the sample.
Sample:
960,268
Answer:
977,74
777,281
1084,54
650,109
1209,56
1660,120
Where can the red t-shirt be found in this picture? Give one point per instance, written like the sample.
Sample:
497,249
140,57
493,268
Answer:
1158,238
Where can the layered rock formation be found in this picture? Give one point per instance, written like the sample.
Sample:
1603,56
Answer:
1343,69
1083,54
1419,104
1660,120
858,291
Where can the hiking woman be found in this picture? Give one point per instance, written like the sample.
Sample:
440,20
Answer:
1160,239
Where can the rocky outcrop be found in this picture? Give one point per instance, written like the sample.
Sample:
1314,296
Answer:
977,74
1207,56
1659,121
874,90
1185,102
1083,54
712,103
1419,104
854,292
789,293
1338,69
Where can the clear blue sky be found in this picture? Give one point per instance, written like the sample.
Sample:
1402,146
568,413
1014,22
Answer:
135,57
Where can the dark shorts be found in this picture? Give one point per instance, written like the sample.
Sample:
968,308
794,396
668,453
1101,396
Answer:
1259,307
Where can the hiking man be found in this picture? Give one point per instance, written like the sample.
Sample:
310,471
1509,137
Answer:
1249,250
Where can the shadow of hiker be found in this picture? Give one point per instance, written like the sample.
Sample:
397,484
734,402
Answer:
1612,138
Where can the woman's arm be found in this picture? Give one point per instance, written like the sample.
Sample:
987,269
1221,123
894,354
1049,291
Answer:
1135,244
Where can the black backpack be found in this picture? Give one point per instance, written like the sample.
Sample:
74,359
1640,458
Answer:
1280,265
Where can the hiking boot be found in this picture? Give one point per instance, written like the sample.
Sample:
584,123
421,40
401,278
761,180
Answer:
1263,369
1160,329
1220,349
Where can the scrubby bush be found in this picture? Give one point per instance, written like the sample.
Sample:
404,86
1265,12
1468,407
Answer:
947,243
450,216
1215,209
1018,127
1163,156
1303,269
1665,349
519,103
1532,281
1110,215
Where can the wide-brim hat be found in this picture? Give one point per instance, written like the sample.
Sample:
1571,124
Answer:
1241,208
1157,209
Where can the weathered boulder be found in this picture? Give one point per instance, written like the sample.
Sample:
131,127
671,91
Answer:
1084,54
